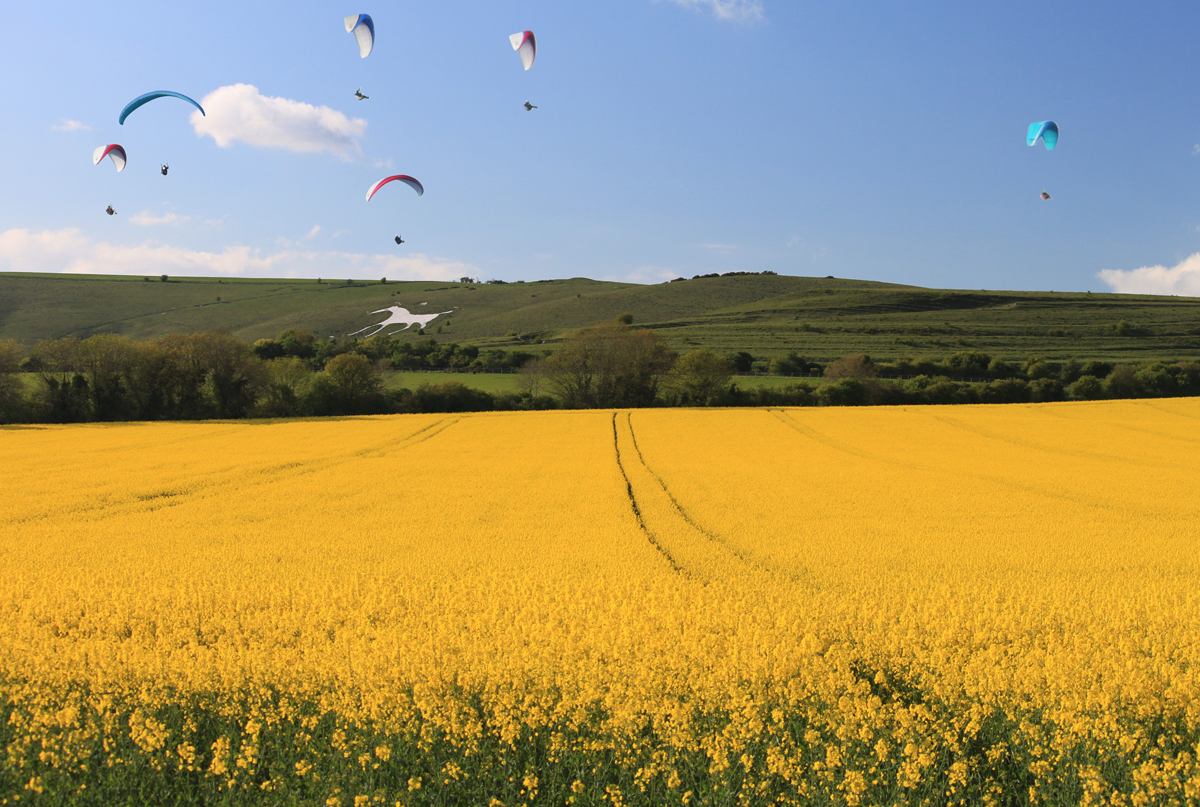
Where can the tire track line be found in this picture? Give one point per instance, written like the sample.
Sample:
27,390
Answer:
1103,505
717,540
637,510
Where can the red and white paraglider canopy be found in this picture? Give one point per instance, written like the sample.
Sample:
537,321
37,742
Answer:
113,152
405,178
524,44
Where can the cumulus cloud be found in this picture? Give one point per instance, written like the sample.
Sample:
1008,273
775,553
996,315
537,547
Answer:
741,10
238,112
68,125
70,251
1182,278
149,219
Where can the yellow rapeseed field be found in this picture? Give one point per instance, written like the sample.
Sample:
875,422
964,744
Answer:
877,606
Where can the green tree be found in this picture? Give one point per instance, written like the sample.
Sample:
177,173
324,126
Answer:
301,344
1036,368
1005,390
11,388
998,368
968,363
1046,389
288,381
846,391
233,374
608,365
105,361
1086,388
1123,382
349,385
856,365
945,391
742,362
267,349
63,396
790,364
701,377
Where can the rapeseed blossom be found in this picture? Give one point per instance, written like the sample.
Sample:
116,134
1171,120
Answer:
927,605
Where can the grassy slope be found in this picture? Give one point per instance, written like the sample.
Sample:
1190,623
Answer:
819,317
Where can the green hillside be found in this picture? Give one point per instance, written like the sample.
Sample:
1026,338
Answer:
822,318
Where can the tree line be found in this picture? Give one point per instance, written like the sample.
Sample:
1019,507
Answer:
214,375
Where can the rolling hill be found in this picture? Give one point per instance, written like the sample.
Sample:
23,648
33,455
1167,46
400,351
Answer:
822,318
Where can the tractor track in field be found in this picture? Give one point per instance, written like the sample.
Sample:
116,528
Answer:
717,540
637,511
192,487
1058,495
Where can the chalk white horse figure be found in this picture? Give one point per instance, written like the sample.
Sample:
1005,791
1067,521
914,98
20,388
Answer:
401,316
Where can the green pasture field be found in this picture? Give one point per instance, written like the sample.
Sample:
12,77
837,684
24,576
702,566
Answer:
765,315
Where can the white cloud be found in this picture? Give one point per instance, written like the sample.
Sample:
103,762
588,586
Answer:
720,247
795,241
68,125
287,242
239,113
148,219
1196,149
1183,278
742,10
70,251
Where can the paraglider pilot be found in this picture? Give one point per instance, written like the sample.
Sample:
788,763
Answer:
399,240
109,210
1045,195
359,95
164,168
530,107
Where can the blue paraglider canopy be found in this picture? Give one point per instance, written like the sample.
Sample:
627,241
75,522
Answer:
150,96
1047,130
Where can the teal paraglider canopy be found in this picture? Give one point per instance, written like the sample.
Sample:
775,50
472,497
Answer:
150,96
1047,130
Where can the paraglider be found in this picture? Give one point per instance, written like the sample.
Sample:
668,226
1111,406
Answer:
1045,196
525,44
164,168
1046,130
363,28
407,180
150,96
399,240
109,210
530,107
358,94
113,152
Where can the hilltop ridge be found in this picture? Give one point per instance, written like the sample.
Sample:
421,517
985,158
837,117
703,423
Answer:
766,314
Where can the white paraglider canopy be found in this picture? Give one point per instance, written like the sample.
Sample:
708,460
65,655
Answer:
525,44
363,28
113,152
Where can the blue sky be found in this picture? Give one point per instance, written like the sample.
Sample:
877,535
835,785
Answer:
875,140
